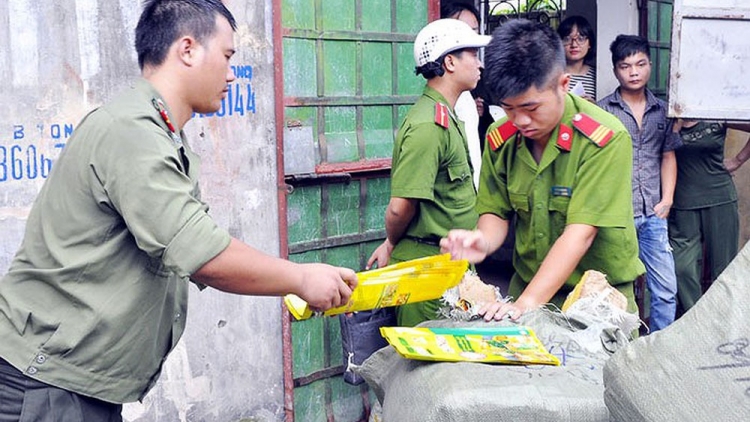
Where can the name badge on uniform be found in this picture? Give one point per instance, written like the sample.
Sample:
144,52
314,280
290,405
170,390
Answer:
561,191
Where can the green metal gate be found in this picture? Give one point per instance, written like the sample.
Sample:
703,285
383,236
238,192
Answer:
347,81
656,25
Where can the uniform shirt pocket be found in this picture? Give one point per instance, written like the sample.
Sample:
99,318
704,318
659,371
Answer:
458,190
519,202
558,215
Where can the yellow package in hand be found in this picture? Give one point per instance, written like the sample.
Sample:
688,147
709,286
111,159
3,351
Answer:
406,282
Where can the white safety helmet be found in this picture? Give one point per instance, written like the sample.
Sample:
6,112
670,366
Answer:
443,36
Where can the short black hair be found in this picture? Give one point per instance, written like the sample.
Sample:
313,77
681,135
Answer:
520,55
448,9
164,21
435,69
625,46
584,28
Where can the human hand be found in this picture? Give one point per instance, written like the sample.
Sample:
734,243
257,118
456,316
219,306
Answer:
499,310
662,208
465,244
480,105
325,286
677,125
732,164
588,98
381,255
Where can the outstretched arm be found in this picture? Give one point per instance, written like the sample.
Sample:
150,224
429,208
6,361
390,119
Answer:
476,245
245,270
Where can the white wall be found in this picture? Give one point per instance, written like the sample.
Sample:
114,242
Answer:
614,17
59,59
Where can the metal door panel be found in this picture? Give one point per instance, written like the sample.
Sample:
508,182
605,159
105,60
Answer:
710,47
659,24
348,80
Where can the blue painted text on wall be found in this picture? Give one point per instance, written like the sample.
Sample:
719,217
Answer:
20,160
239,100
23,162
240,97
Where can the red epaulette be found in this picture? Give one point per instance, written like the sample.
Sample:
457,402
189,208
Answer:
499,135
442,115
565,137
593,130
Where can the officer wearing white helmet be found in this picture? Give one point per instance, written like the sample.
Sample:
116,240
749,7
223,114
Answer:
431,176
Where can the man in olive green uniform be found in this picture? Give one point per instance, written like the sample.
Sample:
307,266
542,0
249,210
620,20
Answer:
97,295
562,166
431,178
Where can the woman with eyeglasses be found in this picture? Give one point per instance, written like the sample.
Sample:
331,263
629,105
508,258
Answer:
579,40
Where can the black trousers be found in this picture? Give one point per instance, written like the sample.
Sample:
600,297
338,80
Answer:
23,399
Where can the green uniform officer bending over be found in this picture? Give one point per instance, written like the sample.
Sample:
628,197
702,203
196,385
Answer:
558,163
431,178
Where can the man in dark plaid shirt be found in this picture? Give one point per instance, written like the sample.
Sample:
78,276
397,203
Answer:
654,169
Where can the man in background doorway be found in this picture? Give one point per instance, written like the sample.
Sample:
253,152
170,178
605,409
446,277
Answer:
654,169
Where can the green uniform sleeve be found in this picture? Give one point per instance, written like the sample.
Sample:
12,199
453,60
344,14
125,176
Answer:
144,182
416,162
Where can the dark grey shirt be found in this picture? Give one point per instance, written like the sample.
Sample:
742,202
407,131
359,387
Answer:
650,141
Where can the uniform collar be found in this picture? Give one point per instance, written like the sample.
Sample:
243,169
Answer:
436,96
142,85
571,109
156,103
560,140
563,135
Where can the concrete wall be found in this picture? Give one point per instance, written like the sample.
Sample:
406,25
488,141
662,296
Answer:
614,17
59,59
735,141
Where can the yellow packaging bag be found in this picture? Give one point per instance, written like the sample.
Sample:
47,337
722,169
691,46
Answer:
507,345
406,282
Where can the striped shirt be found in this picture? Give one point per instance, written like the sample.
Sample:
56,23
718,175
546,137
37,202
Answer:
588,80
